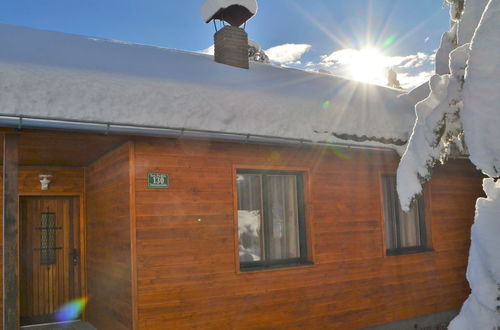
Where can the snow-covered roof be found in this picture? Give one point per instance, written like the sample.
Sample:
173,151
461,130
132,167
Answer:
57,75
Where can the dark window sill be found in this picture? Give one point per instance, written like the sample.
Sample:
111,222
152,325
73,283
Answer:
248,267
409,250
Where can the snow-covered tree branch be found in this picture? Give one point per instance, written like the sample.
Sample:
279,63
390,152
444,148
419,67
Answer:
464,105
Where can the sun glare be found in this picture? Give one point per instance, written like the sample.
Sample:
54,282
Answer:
369,65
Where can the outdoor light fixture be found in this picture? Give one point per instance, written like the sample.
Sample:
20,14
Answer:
45,180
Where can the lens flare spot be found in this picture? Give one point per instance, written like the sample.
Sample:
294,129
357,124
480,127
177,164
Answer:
339,153
389,41
327,104
71,310
275,156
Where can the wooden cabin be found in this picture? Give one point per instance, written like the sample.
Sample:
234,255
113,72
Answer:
171,205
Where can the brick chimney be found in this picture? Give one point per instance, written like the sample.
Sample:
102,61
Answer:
231,47
230,42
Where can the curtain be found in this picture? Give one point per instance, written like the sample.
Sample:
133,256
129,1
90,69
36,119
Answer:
283,208
402,229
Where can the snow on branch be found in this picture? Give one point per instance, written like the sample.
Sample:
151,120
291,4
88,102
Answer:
481,95
439,122
438,125
466,102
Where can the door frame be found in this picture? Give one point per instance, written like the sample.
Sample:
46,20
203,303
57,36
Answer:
83,254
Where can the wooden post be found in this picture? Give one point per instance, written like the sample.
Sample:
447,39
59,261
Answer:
10,233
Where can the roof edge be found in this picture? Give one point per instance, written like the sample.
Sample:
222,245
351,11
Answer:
20,122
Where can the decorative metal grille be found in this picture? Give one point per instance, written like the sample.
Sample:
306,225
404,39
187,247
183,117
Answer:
48,239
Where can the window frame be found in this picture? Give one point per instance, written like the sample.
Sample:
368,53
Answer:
304,259
423,223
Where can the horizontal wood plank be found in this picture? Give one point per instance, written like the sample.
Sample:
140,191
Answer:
108,241
187,275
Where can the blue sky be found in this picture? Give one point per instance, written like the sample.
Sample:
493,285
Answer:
400,29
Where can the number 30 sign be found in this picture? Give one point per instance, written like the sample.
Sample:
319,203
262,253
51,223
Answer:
157,180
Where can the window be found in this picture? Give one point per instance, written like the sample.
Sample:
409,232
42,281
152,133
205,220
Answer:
405,231
271,222
48,239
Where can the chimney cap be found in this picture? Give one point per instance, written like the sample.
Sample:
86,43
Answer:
235,12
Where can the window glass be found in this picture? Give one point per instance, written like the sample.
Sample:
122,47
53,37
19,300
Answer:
48,239
270,218
250,216
283,216
405,231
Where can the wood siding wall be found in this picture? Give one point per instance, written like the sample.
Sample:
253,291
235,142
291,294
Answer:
109,262
64,181
1,249
188,275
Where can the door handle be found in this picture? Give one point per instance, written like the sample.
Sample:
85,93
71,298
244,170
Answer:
75,257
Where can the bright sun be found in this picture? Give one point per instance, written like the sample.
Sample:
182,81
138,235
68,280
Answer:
368,65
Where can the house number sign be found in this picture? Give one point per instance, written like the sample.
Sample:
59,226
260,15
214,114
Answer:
158,180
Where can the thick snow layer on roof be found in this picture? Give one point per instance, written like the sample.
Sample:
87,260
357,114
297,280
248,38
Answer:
210,7
57,75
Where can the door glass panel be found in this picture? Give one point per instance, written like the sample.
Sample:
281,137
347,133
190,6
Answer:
48,239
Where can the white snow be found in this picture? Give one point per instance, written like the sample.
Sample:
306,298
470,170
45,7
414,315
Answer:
460,31
249,235
249,221
473,316
473,10
481,122
438,112
481,94
448,43
483,271
486,229
418,93
210,7
468,100
50,75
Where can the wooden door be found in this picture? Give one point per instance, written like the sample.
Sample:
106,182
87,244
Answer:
50,256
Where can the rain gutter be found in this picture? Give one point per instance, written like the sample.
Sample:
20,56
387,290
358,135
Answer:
31,122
